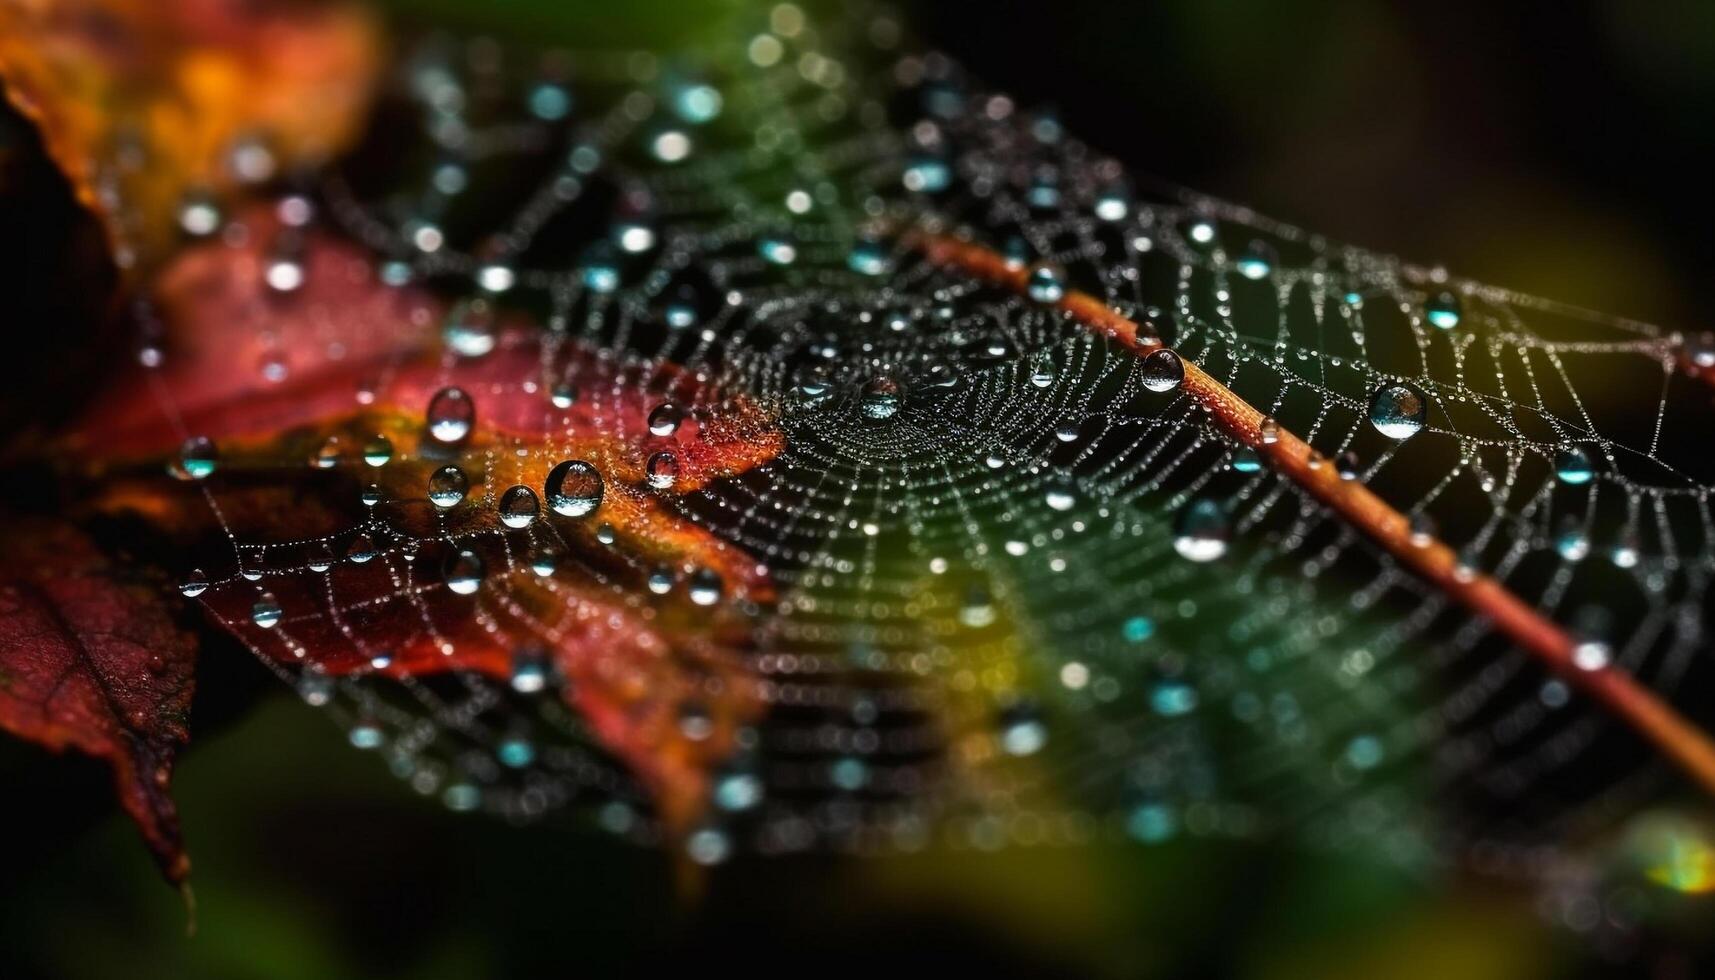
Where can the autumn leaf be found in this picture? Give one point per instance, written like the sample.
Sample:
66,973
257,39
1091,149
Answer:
633,672
150,107
91,659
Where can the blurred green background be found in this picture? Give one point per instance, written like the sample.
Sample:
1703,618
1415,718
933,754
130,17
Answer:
1557,148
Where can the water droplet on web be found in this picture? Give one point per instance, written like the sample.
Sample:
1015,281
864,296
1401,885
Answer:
927,175
697,104
777,250
1572,466
1268,430
1256,261
515,752
1572,542
1200,232
660,581
199,215
869,258
378,451
1068,431
1245,460
1112,205
197,458
469,329
665,419
1046,283
361,549
1591,655
519,507
266,611
1043,371
371,495
563,396
662,470
1022,731
463,571
1398,411
545,560
450,416
315,687
705,587
195,584
1061,497
1347,465
574,488
880,399
365,734
1443,310
1162,370
447,487
1201,531
327,455
550,102
529,669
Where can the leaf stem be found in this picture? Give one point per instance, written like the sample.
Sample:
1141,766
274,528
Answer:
1674,735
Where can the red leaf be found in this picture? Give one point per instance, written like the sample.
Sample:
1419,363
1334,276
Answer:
350,358
91,660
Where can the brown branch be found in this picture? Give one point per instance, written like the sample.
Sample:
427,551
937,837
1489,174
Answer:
1635,704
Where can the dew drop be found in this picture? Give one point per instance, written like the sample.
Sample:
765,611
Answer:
869,258
378,451
1256,261
1591,655
1201,531
451,414
880,399
705,587
1061,497
1572,467
1398,411
661,470
660,581
362,549
545,561
1162,370
195,584
563,396
574,488
1245,460
1443,310
1043,372
469,329
519,507
1046,283
447,487
1268,430
529,669
197,458
665,419
463,571
266,611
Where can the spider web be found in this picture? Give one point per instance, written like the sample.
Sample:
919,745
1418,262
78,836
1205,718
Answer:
1023,595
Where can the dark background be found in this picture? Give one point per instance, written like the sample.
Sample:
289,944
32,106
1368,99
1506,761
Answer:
1557,148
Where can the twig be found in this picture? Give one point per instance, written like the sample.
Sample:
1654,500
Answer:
1635,704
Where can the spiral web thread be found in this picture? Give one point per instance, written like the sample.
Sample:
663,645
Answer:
1023,596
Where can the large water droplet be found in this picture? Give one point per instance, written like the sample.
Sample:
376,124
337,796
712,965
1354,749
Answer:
266,611
1398,411
447,487
519,507
662,470
378,451
880,399
574,488
195,584
705,587
451,414
469,329
1202,531
1256,261
665,419
463,571
1443,310
197,458
1572,466
1046,284
869,258
1162,370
